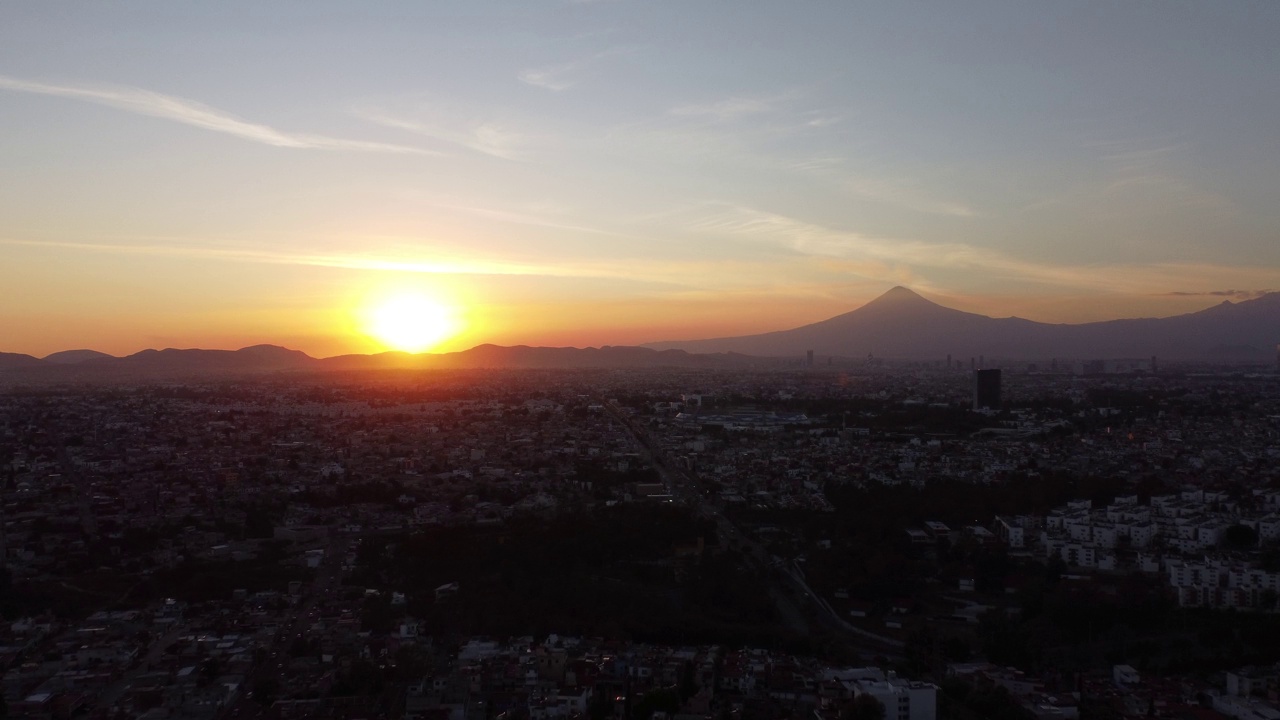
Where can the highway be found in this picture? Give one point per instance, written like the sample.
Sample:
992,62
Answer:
801,609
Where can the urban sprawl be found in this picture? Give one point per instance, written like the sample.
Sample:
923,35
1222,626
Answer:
878,540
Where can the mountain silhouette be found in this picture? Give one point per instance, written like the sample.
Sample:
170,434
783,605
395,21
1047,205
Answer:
18,361
898,324
902,324
257,358
525,356
71,357
172,363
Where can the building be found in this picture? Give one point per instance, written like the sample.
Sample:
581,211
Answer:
902,699
1011,532
986,389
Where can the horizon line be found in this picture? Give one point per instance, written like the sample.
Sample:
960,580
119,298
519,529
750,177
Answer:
1243,295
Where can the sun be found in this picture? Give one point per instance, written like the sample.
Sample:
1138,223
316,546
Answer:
410,322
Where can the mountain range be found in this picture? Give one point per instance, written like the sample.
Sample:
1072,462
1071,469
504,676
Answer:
898,324
902,324
80,365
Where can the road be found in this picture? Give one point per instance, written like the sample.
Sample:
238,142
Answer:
113,692
800,608
327,574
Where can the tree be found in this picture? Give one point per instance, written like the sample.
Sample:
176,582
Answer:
1240,537
601,705
688,683
863,707
265,691
664,699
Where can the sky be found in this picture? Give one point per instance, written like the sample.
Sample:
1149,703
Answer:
615,172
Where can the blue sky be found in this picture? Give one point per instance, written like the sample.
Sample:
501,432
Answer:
612,172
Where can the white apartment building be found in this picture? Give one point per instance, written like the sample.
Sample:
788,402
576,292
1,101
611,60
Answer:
1010,532
902,699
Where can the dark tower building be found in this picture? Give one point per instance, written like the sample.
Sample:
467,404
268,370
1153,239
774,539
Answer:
809,361
948,361
986,389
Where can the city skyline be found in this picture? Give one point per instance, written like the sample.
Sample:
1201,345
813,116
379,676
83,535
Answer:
616,173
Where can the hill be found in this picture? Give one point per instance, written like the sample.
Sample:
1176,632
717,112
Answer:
18,361
172,363
71,357
902,324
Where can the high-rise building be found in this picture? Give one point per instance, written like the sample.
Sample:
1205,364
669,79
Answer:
986,389
809,361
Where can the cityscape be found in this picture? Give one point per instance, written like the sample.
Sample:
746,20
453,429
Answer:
639,360
627,542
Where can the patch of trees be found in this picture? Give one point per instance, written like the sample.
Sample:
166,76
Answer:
355,492
612,573
1131,620
200,581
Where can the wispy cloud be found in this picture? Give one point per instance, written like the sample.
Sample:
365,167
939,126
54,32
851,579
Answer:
562,76
1239,294
533,219
489,138
727,220
553,77
190,112
816,165
443,263
660,276
817,119
777,114
904,196
1154,167
764,134
725,110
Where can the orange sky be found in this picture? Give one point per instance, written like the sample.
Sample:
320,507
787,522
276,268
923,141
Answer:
586,173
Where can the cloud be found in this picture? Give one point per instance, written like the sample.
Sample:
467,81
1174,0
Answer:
189,112
554,78
664,278
903,196
565,75
817,120
911,256
488,138
725,110
1241,294
817,164
442,263
763,134
1154,167
523,218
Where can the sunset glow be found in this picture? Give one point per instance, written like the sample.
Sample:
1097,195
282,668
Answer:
410,322
592,173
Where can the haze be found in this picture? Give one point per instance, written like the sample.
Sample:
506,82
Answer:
587,173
